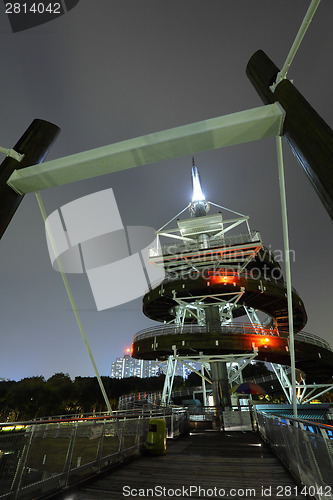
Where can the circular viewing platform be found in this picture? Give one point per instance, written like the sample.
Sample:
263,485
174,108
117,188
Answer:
314,356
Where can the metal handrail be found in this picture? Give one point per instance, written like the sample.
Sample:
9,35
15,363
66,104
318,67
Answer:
302,421
304,447
149,395
265,378
227,241
227,272
116,415
29,474
310,338
234,328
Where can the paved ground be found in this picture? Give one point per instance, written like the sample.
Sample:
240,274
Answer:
204,465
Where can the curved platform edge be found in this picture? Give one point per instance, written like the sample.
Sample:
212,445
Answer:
315,361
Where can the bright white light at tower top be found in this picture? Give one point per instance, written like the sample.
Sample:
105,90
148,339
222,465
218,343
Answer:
197,191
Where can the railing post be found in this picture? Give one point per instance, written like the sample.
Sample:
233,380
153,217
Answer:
171,426
328,444
21,468
69,456
315,469
100,448
139,429
121,436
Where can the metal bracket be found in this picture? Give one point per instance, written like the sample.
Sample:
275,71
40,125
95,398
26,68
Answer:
12,153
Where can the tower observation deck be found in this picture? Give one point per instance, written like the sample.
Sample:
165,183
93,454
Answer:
223,302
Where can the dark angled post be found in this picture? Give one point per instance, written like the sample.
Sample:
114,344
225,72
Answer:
308,135
35,144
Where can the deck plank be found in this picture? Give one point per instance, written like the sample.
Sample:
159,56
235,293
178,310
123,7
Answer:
227,461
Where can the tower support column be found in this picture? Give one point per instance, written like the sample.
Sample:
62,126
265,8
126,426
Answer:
218,369
220,384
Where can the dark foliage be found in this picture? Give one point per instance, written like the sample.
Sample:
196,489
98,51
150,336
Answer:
36,397
256,370
59,395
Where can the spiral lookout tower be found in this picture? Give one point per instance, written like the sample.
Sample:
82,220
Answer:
223,303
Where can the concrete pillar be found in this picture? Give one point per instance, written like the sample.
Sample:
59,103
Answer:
218,369
220,384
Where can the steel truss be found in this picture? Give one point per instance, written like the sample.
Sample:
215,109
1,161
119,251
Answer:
200,246
235,366
225,225
304,392
195,306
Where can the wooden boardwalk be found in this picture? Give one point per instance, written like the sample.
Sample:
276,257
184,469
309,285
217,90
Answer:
211,464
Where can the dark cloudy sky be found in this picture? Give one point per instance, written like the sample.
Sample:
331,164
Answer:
111,70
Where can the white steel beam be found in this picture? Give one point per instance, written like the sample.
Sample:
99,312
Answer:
240,369
226,229
201,374
227,358
325,387
283,379
214,133
299,37
169,378
288,271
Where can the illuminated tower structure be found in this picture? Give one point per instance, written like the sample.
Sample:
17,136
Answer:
223,302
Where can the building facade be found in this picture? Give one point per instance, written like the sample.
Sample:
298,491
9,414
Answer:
127,366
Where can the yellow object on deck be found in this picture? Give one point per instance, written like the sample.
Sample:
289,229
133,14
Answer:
157,436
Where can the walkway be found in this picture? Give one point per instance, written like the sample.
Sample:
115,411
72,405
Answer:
232,464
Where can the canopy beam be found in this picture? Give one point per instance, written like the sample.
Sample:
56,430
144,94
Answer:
228,130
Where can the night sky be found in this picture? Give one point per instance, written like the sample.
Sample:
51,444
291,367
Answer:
110,70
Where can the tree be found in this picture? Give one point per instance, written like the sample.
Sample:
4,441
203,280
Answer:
256,370
88,395
5,407
24,398
59,395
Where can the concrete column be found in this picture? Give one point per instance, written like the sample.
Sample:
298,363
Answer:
218,369
219,376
